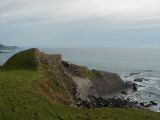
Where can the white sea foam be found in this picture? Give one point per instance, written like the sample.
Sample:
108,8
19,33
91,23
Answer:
150,90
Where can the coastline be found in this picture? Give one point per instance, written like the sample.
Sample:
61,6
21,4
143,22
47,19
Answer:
134,97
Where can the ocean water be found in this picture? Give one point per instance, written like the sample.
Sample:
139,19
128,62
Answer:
145,61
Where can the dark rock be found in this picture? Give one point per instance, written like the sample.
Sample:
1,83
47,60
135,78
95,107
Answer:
138,79
124,92
141,86
134,87
132,74
147,105
77,71
99,102
146,79
144,104
126,76
153,103
91,87
129,84
66,64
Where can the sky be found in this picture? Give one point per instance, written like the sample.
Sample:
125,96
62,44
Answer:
80,23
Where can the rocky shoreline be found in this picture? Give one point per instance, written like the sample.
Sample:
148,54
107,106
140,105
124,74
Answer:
99,102
116,101
120,101
144,95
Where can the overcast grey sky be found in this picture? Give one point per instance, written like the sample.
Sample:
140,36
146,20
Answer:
80,23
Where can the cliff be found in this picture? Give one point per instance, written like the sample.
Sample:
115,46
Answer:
66,82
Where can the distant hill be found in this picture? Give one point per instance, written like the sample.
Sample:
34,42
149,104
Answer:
3,47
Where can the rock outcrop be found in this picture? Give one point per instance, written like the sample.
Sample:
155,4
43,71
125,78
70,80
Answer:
66,83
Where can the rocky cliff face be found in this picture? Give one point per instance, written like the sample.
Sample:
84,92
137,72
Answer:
65,82
94,82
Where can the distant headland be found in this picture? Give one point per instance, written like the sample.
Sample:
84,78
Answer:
3,47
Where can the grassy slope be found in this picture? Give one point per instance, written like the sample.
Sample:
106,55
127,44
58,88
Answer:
18,101
89,73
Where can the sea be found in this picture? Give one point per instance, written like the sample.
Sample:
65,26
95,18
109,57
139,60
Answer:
129,63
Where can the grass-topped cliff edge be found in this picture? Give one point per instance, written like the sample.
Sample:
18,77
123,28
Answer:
36,86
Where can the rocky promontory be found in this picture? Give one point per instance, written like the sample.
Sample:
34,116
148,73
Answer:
68,83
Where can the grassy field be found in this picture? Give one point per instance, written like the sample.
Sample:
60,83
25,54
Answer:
18,101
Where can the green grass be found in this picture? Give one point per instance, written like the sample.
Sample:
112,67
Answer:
23,60
90,73
18,101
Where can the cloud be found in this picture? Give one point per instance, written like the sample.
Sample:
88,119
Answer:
70,10
79,22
